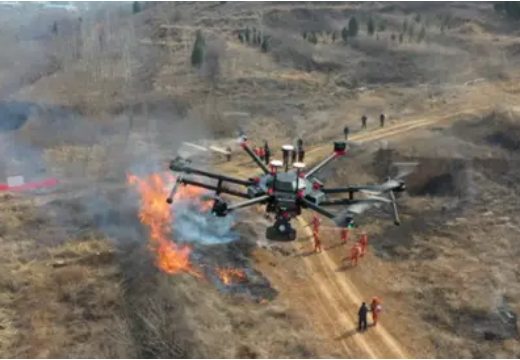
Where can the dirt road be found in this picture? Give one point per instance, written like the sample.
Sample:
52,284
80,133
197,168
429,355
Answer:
311,283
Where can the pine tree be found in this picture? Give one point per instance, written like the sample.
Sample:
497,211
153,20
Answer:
248,35
197,54
136,7
371,27
353,27
334,36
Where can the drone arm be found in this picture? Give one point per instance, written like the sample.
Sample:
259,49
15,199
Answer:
211,175
310,205
214,188
397,221
248,203
321,165
255,158
340,190
343,202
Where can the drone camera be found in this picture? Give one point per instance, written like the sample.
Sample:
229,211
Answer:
340,146
220,208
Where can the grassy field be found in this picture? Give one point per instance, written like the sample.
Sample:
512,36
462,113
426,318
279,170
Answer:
78,278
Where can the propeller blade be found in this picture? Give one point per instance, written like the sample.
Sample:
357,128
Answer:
405,168
360,207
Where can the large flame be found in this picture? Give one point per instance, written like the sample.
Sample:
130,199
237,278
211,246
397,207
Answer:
157,215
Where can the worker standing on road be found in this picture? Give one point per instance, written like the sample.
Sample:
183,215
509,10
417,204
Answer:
363,242
344,235
267,152
375,309
355,252
299,143
317,242
364,122
346,131
316,222
382,120
362,316
301,154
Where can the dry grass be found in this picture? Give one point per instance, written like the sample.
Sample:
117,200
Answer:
72,296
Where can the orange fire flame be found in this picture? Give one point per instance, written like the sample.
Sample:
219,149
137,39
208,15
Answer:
227,275
157,215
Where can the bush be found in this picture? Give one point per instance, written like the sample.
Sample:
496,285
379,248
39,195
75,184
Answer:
344,34
312,38
265,44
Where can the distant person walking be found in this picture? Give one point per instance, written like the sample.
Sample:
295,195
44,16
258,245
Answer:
346,131
364,122
382,120
267,152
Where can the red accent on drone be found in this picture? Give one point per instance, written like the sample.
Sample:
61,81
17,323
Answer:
316,186
339,153
244,144
256,180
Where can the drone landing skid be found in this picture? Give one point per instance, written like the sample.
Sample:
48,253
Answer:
281,231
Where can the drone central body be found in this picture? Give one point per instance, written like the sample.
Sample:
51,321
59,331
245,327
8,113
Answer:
286,192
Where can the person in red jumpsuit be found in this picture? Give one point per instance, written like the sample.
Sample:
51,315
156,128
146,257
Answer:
344,235
355,252
363,241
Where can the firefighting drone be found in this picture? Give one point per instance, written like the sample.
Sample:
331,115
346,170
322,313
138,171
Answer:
285,192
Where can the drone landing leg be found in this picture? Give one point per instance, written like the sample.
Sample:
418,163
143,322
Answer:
397,221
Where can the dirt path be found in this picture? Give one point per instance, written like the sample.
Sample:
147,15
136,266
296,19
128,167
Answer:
329,297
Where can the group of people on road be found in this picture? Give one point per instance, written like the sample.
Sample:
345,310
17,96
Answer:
374,308
364,124
357,251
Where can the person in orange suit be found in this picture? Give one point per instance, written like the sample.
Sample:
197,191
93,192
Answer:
355,252
317,242
316,222
363,241
375,309
344,235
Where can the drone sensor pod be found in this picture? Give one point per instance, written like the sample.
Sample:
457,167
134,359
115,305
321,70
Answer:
287,155
298,166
